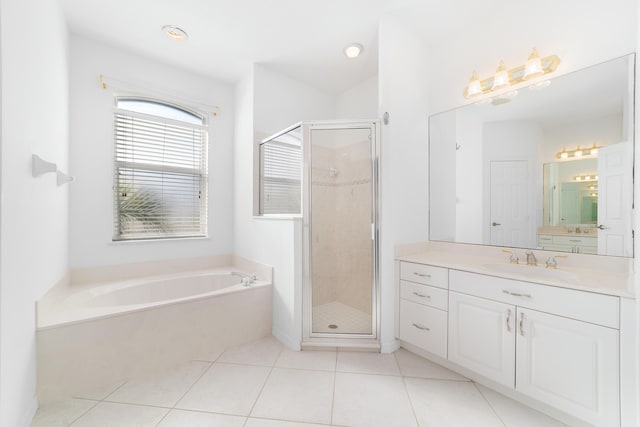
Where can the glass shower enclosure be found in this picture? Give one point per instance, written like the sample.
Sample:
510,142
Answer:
340,216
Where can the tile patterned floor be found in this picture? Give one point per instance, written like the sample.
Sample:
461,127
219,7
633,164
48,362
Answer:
262,384
348,319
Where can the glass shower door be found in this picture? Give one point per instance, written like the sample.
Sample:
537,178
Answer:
342,248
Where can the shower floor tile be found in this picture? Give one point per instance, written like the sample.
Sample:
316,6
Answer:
348,320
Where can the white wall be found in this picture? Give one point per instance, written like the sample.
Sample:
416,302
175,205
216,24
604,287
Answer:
404,163
33,215
359,102
91,199
267,102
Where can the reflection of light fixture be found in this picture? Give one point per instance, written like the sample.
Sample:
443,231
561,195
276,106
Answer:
504,77
176,33
534,66
578,152
585,178
353,50
501,79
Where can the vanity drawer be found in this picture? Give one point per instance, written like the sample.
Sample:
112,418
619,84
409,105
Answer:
424,294
586,306
425,274
575,241
424,327
545,239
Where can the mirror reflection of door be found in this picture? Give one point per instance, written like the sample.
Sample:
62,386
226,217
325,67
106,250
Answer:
570,203
614,199
509,203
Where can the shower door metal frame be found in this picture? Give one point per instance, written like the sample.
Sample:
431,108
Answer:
339,339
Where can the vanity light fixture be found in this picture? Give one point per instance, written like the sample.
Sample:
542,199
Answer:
578,152
353,50
535,67
174,32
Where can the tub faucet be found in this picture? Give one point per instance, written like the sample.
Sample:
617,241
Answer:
531,258
246,278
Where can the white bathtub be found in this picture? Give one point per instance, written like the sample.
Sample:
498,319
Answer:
93,335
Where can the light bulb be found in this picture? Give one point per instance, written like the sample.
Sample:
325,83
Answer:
474,88
353,50
534,66
501,79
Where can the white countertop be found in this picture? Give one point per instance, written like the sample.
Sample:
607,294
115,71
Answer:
600,274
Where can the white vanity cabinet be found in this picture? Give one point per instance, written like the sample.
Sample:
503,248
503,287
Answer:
559,346
569,364
481,336
423,307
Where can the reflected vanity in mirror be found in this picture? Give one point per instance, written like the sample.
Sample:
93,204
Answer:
548,166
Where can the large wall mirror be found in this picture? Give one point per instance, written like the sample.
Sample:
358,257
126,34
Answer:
549,167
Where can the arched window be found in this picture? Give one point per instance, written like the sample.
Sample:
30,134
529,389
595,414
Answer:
160,170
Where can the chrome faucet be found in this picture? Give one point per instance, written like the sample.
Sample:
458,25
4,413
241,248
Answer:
531,258
552,263
246,278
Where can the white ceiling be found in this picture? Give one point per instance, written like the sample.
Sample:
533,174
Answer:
300,38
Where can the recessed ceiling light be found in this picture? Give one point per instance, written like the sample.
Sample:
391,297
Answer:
353,50
176,33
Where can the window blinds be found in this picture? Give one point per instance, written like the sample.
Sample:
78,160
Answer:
160,177
280,178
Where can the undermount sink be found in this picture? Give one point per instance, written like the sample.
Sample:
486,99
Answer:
530,271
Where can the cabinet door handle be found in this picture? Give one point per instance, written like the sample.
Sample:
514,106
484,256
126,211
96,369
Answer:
421,274
522,324
516,294
422,295
423,328
509,320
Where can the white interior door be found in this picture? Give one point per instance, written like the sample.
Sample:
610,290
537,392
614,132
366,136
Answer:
509,218
615,200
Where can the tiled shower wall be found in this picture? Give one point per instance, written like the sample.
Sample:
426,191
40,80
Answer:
341,225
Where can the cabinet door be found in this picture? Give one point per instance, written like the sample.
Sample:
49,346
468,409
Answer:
482,336
569,364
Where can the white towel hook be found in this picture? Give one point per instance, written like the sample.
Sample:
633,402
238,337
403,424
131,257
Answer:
40,166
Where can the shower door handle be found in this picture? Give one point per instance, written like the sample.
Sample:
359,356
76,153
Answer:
373,232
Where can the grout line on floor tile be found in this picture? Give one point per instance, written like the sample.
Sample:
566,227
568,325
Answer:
286,421
406,390
194,383
333,397
438,379
95,403
104,399
261,390
489,403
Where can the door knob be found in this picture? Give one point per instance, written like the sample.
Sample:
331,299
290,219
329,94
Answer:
601,227
495,223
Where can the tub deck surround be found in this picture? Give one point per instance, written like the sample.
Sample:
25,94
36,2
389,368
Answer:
592,273
78,303
94,334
